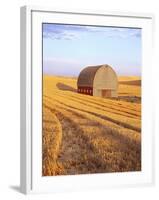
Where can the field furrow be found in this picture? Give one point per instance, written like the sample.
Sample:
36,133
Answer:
85,134
124,132
92,140
108,103
122,121
107,108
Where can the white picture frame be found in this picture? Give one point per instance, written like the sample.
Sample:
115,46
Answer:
31,101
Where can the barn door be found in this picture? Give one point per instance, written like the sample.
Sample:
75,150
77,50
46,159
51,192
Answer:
106,93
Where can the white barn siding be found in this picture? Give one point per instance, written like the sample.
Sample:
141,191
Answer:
105,79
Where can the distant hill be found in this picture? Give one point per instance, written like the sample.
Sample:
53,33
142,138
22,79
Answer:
132,80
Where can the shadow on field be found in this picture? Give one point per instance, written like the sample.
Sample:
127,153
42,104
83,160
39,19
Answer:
132,99
62,86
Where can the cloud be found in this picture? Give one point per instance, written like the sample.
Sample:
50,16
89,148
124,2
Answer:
73,32
58,32
123,32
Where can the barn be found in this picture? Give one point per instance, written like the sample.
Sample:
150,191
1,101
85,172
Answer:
100,80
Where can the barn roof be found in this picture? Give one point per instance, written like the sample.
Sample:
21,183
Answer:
87,75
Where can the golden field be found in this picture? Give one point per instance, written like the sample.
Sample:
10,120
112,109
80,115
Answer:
85,134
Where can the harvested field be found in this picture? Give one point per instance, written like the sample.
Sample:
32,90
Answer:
85,134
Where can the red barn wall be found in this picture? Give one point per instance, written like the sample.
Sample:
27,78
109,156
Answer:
85,90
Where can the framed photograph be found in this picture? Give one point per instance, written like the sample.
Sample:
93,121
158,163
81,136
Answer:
86,100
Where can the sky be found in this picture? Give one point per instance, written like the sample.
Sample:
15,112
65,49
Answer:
67,49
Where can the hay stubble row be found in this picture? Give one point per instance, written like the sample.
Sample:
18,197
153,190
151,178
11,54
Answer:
97,135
